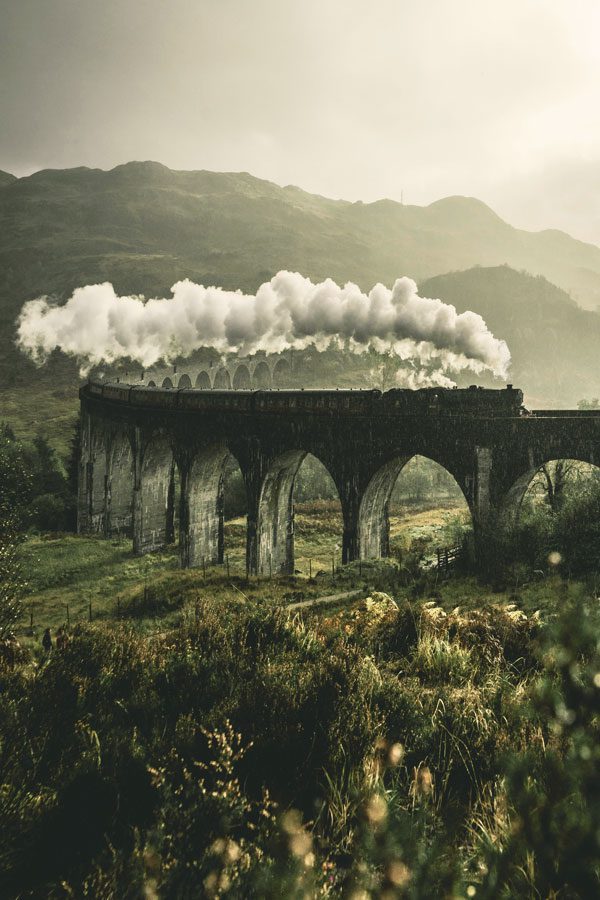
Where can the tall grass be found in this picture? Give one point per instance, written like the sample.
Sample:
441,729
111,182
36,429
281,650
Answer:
170,764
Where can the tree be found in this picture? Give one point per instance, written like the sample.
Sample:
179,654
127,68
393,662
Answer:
589,404
553,479
15,492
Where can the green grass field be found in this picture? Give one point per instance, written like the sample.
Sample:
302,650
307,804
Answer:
383,721
71,577
47,410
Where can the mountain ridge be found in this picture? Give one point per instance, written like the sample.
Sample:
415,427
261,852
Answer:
261,227
453,202
143,227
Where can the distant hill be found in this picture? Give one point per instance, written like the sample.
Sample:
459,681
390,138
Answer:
554,343
143,226
6,178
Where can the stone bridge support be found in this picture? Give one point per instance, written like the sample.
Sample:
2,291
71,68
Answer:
373,515
275,519
137,442
119,485
201,524
151,493
271,541
93,475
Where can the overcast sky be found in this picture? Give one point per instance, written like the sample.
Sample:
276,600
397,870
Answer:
360,99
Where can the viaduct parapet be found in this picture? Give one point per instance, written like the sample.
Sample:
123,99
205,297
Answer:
138,441
237,373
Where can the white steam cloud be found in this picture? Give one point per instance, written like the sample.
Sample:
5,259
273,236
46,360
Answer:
97,326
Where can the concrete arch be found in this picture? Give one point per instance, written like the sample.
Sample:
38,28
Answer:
373,516
95,480
119,494
151,496
512,500
202,507
241,378
167,383
275,521
261,377
222,380
282,373
151,384
275,527
185,382
203,381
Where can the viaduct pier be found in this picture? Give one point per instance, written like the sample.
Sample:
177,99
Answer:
137,442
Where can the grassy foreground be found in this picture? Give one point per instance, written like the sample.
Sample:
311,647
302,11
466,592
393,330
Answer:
392,749
70,577
430,738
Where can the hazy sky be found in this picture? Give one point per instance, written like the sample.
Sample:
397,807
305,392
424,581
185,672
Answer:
360,99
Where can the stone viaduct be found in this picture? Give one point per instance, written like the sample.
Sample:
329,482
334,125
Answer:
138,441
250,373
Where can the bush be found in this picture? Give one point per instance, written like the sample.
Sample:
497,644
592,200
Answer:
248,754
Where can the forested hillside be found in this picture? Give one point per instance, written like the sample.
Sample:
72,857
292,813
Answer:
554,343
143,226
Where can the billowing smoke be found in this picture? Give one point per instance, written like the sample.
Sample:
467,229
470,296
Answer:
97,326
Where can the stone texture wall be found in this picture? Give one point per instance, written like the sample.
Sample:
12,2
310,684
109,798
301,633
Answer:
133,437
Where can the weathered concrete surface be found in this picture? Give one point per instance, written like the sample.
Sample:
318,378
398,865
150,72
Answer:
202,507
276,515
134,437
121,476
250,373
150,496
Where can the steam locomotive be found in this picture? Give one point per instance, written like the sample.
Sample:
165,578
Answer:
472,401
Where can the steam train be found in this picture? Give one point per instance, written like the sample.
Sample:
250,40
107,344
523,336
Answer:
472,401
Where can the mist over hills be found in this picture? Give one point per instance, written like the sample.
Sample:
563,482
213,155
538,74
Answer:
143,227
6,178
554,343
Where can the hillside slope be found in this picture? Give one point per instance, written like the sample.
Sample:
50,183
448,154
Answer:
554,343
143,226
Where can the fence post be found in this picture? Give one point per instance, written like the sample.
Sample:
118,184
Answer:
227,562
90,610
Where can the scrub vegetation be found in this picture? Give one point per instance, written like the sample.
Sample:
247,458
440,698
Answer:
201,737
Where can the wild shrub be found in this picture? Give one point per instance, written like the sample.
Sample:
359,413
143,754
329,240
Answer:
248,753
552,847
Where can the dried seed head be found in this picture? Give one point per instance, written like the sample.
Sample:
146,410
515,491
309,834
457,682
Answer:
291,821
396,754
376,809
398,873
300,843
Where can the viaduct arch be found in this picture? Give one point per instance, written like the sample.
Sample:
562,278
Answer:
135,437
249,373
